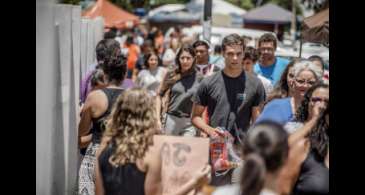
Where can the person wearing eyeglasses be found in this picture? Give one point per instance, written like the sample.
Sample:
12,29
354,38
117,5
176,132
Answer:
268,65
306,74
307,169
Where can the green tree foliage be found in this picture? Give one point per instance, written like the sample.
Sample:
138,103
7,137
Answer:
249,4
245,4
73,2
317,5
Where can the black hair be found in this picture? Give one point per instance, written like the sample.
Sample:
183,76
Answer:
129,39
173,76
318,136
217,49
265,150
232,39
250,53
113,63
104,48
147,57
97,76
317,58
110,34
268,37
199,43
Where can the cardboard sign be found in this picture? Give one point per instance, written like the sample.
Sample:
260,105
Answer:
181,157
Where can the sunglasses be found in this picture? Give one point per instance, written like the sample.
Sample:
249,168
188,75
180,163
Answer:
302,82
318,99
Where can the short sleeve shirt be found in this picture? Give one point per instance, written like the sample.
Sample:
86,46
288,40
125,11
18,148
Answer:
228,100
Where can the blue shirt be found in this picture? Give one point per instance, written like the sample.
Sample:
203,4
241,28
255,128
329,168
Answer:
274,71
278,110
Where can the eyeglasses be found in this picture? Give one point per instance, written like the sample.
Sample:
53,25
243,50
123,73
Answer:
318,99
302,82
291,75
262,49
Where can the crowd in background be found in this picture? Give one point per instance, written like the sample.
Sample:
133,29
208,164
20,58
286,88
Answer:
275,109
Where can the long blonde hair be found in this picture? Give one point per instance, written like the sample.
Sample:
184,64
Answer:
131,126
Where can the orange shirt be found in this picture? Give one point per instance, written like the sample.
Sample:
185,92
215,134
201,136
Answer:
133,52
159,43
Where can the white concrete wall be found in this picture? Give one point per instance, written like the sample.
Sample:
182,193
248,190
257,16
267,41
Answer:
59,62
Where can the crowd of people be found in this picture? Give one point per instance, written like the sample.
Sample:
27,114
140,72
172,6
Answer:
144,84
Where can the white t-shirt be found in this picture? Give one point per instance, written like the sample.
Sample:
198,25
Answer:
150,80
168,57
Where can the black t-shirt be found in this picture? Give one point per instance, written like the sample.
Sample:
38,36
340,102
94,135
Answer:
230,100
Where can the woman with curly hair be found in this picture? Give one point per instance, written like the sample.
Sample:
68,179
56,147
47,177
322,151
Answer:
126,162
97,107
307,170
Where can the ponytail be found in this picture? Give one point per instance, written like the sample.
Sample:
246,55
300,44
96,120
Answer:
253,175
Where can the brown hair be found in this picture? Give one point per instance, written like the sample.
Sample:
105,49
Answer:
266,150
268,37
148,56
250,53
131,125
232,39
173,76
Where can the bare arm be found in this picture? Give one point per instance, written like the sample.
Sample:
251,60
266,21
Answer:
291,169
302,132
255,113
95,105
198,121
199,179
85,141
152,183
85,121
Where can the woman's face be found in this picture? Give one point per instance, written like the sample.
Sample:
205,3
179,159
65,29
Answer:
319,99
290,78
186,61
303,82
153,62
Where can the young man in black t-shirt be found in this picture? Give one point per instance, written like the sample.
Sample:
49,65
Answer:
231,96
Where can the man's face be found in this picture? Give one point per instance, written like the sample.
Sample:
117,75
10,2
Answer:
267,50
233,55
202,55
